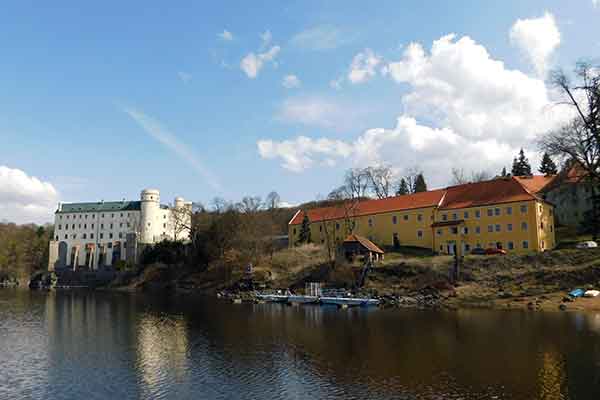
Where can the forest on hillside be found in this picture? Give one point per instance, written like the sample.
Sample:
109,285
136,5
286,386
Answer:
23,250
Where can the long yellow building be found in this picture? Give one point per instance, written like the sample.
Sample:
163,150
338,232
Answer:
502,213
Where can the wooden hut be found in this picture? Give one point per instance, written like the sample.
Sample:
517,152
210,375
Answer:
355,245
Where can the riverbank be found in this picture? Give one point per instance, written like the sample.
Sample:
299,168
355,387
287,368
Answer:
535,281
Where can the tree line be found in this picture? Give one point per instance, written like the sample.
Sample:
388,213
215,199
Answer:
23,250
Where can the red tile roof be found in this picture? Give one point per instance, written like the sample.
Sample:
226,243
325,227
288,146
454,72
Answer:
536,183
366,243
495,191
501,190
406,202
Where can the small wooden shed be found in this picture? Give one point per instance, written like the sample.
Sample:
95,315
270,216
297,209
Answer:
355,245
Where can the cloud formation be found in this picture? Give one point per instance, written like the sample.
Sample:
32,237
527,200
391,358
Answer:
24,198
252,63
319,38
226,35
291,82
463,108
157,131
537,38
363,66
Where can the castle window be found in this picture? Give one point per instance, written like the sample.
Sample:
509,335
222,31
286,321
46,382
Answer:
66,237
84,226
102,236
101,226
66,227
111,226
79,226
84,236
91,235
525,244
490,212
497,211
509,227
120,235
164,225
477,214
121,215
110,235
59,227
73,226
394,220
92,226
490,228
466,215
112,215
523,209
406,217
508,210
56,237
337,226
478,230
497,227
74,236
523,226
120,224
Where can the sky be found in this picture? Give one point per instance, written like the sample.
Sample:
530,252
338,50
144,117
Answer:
101,100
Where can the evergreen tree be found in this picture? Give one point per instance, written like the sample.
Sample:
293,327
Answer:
305,230
402,188
548,167
504,173
521,166
420,185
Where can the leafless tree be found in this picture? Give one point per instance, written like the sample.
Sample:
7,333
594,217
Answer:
459,177
356,182
250,204
220,205
380,180
272,200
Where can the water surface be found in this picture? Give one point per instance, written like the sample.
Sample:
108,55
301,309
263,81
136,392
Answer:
95,345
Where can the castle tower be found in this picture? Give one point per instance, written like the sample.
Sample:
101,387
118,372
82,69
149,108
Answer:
150,218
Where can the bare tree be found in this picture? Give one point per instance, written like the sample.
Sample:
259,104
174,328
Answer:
459,177
220,205
380,180
272,200
579,140
356,182
250,204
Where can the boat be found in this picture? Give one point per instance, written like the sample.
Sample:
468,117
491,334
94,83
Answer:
350,301
591,293
576,293
273,298
301,299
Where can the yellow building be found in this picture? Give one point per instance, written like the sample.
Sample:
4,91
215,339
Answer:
502,213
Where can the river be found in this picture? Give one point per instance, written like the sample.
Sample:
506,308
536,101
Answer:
101,345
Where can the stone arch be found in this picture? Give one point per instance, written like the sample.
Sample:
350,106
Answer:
63,253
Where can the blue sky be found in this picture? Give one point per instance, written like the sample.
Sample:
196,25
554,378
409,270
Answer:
101,100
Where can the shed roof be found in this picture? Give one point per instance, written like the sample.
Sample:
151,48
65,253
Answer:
364,242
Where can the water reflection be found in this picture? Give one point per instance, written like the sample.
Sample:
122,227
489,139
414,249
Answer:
99,345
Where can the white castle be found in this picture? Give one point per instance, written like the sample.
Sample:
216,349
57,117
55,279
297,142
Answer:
99,234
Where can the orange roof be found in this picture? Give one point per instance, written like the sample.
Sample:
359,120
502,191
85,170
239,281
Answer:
366,243
405,202
535,183
502,190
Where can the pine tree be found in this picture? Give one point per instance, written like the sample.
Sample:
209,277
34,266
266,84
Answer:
504,173
402,188
548,167
420,185
304,230
521,166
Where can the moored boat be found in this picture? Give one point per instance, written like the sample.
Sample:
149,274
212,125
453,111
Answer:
301,299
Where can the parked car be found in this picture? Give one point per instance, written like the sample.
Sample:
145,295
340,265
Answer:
491,251
478,251
590,244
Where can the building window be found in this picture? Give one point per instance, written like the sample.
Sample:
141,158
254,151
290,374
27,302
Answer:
120,224
320,229
79,226
523,226
370,222
542,225
102,215
496,211
478,230
294,230
59,227
490,212
91,235
454,230
419,217
444,217
121,215
523,209
508,210
164,216
112,215
477,214
439,232
84,226
509,227
72,226
490,228
467,247
74,236
84,236
337,226
102,236
497,227
128,224
394,220
92,226
466,215
164,225
455,216
551,229
109,245
110,235
101,226
510,245
111,226
86,216
419,234
120,235
66,237
406,217
525,244
465,230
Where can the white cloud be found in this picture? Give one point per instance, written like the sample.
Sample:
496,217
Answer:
160,133
537,38
363,66
266,38
291,82
252,63
596,3
184,76
226,35
323,37
463,108
24,198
